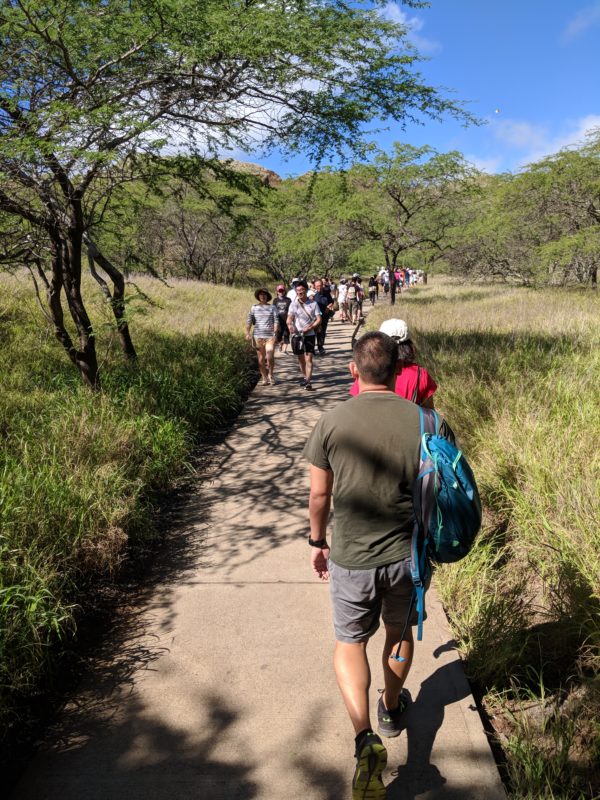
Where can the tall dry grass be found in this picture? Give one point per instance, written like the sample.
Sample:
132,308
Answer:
78,472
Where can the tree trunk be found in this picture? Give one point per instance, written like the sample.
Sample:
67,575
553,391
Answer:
116,300
65,277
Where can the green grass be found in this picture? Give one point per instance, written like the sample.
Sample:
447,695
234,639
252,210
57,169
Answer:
519,373
79,471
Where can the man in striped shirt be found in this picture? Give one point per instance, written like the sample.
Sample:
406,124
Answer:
263,316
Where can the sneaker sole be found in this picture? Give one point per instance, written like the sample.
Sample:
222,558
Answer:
367,783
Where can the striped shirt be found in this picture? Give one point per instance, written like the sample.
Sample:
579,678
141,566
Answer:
265,319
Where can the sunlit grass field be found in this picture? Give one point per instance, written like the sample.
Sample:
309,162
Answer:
79,472
519,380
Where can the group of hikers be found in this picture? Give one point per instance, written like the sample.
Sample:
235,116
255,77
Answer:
368,471
299,319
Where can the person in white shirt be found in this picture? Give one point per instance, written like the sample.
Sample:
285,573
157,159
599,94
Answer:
303,320
292,292
343,300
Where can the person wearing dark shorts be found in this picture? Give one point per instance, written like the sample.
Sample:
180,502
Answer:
282,304
303,320
368,471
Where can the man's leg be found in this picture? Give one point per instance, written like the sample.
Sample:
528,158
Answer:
309,367
395,672
354,679
302,365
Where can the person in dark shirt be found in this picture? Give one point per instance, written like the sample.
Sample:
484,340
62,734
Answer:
323,299
282,304
368,472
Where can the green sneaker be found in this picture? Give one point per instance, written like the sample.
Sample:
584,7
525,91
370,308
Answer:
389,722
371,758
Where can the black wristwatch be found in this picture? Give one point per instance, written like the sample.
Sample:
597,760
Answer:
320,543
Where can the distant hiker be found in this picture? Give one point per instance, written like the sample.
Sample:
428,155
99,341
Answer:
368,471
360,298
282,304
372,289
351,294
265,320
292,292
303,320
343,300
323,299
413,382
386,283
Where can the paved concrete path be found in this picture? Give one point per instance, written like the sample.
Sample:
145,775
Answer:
218,684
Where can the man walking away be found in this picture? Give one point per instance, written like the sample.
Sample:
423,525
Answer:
352,300
370,470
263,317
303,320
372,289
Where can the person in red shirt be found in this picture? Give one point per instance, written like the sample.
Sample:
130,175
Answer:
413,382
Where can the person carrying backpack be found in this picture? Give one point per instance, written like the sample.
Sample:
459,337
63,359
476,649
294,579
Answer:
369,563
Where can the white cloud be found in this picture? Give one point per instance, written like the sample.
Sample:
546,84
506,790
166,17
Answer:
392,12
520,134
580,23
490,165
536,141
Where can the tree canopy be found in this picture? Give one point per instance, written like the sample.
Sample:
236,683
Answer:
94,92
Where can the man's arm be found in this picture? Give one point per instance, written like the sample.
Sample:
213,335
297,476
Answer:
319,505
290,318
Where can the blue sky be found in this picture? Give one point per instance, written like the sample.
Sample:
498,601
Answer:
530,68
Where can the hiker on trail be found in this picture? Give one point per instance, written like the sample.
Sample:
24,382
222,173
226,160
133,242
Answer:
368,471
372,289
360,297
292,292
303,320
351,295
386,283
282,304
263,316
323,299
413,382
343,300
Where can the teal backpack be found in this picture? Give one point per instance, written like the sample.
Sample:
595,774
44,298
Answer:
447,511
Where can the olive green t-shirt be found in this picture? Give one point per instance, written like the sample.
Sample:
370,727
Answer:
371,443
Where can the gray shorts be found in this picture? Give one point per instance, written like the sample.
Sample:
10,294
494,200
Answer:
360,596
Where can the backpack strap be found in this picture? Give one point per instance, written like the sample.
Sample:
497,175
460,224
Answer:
420,567
415,394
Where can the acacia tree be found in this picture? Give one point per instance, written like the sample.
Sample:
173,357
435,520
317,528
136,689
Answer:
538,226
406,201
92,91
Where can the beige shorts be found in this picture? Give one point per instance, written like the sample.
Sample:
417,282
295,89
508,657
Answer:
268,345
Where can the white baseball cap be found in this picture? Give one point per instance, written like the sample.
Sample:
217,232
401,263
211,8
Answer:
396,328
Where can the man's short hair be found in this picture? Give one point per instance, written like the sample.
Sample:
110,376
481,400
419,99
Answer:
375,355
302,283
